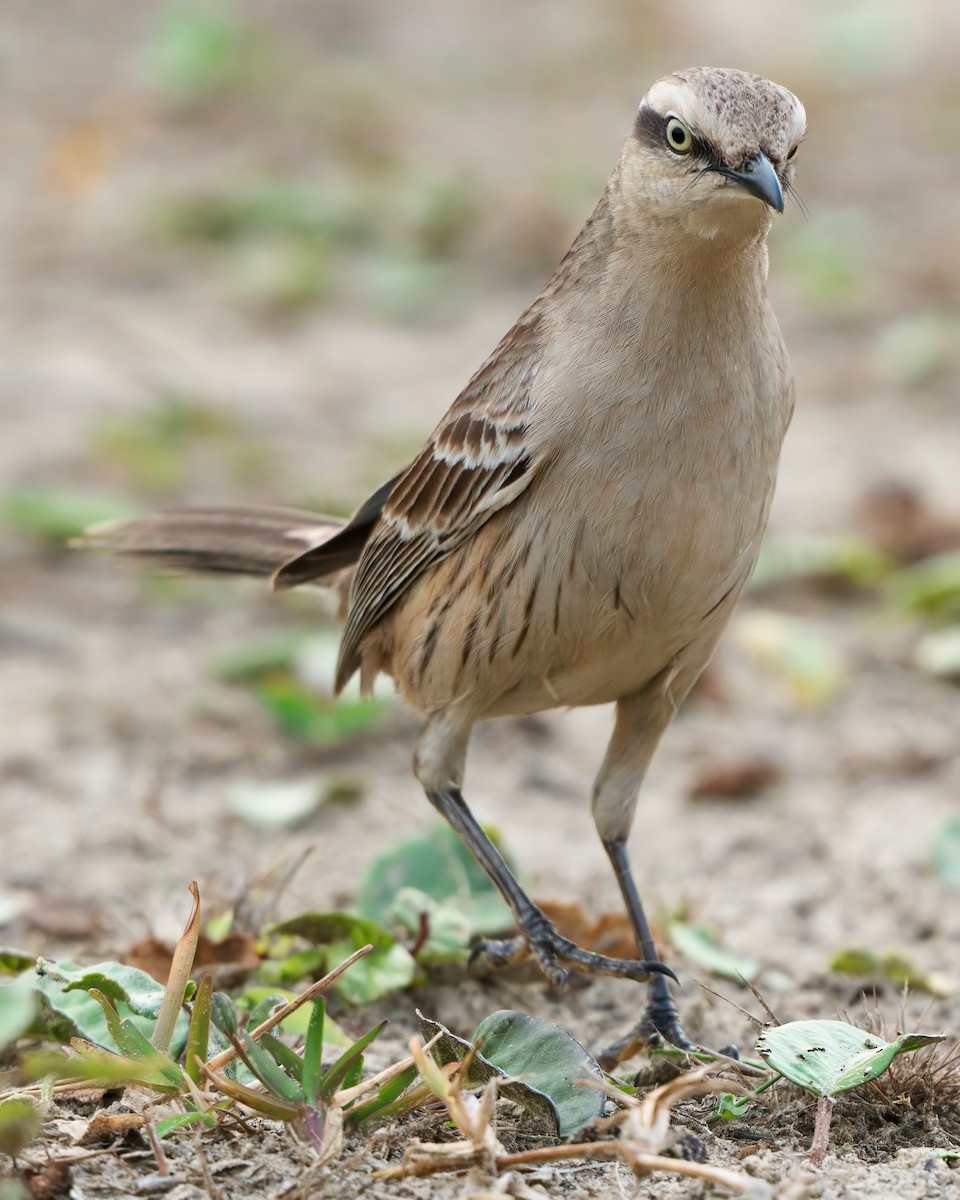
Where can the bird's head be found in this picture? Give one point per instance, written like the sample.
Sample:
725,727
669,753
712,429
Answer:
713,149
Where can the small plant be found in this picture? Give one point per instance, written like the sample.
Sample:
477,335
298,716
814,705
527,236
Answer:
828,1058
298,1090
144,1041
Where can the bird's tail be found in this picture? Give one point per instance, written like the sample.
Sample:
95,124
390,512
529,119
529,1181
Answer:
232,541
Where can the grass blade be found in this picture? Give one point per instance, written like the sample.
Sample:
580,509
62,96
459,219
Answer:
273,1077
289,1059
198,1038
313,1053
349,1060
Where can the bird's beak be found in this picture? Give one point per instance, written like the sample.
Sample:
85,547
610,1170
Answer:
758,177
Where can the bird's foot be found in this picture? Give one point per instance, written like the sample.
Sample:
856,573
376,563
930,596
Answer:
555,954
660,1023
658,1028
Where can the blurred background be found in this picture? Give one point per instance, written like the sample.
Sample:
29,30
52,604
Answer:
253,250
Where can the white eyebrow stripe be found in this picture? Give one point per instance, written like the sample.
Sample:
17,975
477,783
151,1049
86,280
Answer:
669,96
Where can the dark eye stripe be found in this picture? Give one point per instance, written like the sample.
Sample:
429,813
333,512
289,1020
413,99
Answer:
650,128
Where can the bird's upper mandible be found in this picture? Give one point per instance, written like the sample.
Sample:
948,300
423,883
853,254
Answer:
707,138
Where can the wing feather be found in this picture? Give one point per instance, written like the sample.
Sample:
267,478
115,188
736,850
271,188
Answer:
477,461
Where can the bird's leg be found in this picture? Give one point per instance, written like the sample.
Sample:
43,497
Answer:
660,1021
641,719
439,766
539,936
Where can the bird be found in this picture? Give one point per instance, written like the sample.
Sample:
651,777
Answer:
582,521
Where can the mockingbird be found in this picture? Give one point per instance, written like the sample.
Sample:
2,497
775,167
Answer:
580,524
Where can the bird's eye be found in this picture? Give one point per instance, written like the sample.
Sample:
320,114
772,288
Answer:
679,137
793,151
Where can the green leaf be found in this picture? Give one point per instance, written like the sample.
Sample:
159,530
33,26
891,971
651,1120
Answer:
449,930
829,1057
351,1060
138,990
439,865
298,1023
262,1102
284,1055
223,1014
549,1059
18,1007
322,928
66,1010
289,970
731,1107
377,974
113,1024
313,1052
270,1073
178,1120
50,1024
300,711
13,962
106,1068
550,1073
198,1037
354,1075
218,927
361,1114
264,1008
389,968
136,1047
698,944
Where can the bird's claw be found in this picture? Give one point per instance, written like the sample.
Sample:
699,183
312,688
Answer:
555,954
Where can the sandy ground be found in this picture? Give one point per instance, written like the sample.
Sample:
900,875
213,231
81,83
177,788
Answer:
119,752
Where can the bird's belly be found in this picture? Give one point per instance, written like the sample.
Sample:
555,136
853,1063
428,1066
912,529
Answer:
571,614
606,656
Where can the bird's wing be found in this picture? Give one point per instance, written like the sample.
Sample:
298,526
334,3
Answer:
477,461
